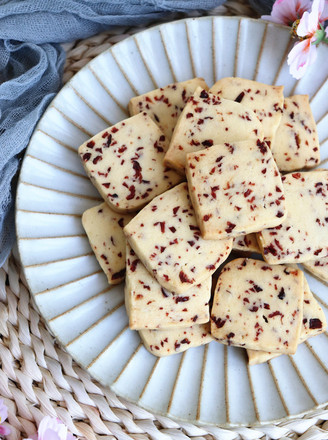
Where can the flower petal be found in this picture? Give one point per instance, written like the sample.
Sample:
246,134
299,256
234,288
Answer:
304,28
49,434
52,429
3,411
324,13
309,22
4,430
317,8
287,11
300,57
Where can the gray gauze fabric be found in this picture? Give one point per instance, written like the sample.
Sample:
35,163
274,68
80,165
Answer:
31,66
30,75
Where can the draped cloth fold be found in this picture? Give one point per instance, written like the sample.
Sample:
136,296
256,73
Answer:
31,67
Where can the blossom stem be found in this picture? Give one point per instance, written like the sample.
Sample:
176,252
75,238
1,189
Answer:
320,36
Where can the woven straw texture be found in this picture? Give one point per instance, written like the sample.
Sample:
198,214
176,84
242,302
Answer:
38,377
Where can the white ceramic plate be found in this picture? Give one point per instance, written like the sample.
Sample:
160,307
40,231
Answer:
211,384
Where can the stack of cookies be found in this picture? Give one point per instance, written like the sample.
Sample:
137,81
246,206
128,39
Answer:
193,176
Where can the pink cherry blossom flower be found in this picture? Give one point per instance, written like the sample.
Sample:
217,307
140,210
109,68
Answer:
310,21
287,11
310,30
52,429
4,430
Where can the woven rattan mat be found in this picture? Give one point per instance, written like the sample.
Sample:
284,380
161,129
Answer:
38,377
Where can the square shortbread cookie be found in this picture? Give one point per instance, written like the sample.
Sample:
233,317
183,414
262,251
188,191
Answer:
296,143
208,120
264,100
166,238
258,306
172,341
318,267
303,234
104,228
150,306
313,323
235,189
125,163
165,105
